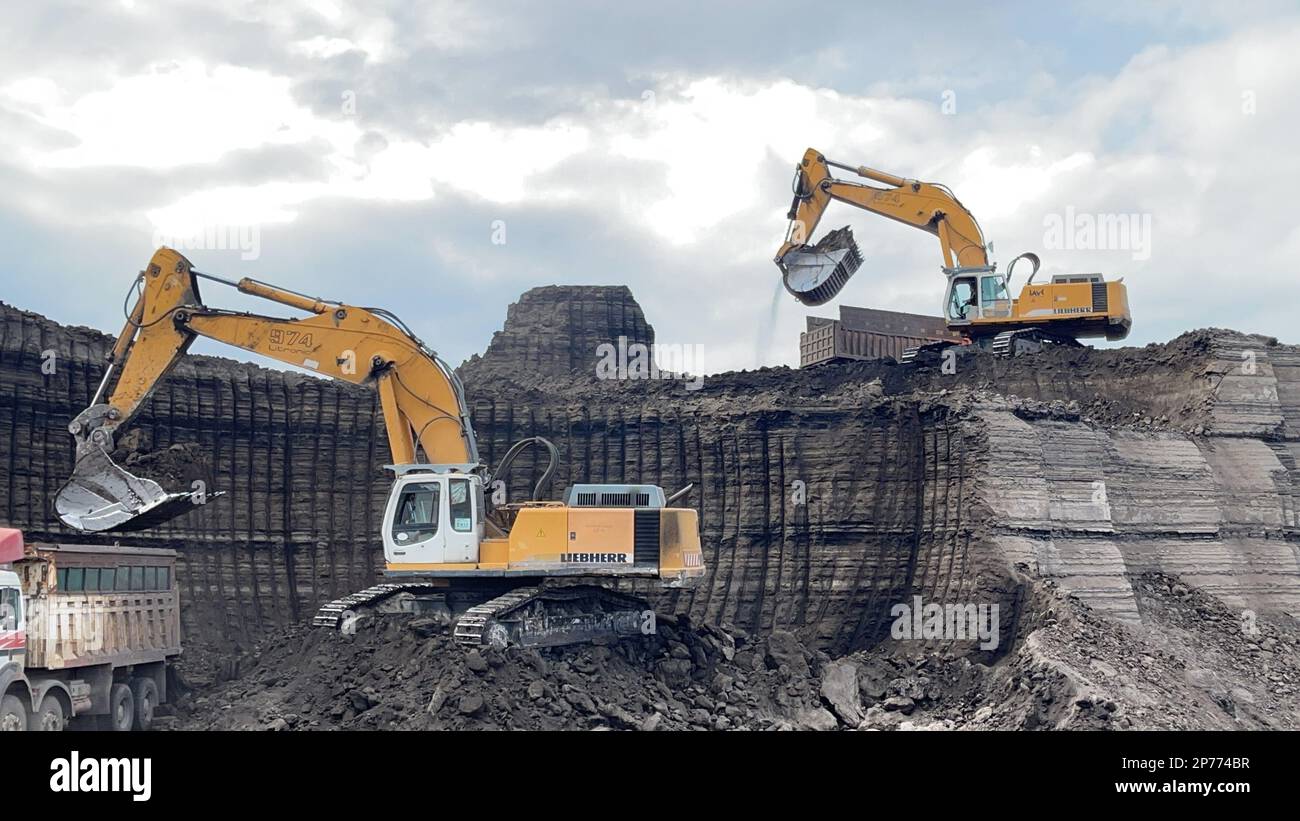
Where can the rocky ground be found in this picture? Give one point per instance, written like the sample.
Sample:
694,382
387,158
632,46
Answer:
1156,387
1193,664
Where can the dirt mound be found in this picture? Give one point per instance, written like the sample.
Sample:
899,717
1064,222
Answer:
1194,662
1157,387
175,467
1194,665
405,672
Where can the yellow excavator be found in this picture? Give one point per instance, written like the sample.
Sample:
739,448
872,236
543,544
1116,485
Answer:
535,573
978,302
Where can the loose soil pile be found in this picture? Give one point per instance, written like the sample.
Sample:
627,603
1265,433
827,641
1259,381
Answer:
1194,664
175,468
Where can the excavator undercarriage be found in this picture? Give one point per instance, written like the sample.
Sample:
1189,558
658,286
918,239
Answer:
552,615
1016,342
541,613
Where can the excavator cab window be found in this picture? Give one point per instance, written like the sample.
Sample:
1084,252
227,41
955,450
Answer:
417,513
962,304
994,299
462,510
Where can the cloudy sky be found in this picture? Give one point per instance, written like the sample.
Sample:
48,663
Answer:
439,158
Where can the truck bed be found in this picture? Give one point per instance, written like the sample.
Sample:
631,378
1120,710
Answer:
75,618
73,630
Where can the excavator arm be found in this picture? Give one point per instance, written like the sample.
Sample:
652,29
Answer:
423,403
815,273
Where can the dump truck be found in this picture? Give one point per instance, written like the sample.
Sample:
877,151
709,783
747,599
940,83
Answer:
867,333
87,632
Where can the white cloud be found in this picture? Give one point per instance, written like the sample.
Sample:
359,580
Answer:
180,114
700,168
1001,181
322,47
176,113
496,163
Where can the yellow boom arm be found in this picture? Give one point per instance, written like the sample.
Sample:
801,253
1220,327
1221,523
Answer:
928,206
423,403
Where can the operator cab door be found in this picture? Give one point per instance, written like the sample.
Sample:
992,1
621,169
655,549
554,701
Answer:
963,300
414,530
433,519
464,519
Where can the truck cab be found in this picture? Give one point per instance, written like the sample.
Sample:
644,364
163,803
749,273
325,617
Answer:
15,696
13,643
11,616
87,632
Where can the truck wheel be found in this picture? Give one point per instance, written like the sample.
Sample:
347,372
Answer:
13,716
50,719
145,692
121,709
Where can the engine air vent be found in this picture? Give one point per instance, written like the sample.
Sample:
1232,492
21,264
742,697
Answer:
635,496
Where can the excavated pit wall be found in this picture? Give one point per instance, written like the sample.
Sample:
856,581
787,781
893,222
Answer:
826,496
816,516
1216,503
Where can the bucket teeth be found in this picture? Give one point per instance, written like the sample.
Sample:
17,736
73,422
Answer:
814,274
101,495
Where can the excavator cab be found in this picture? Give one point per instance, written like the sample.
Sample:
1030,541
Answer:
979,293
433,517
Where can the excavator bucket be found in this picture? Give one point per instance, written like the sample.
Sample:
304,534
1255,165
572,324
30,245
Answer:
816,273
101,496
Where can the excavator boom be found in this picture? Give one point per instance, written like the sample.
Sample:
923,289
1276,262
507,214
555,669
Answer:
814,274
422,399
